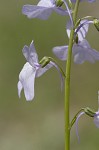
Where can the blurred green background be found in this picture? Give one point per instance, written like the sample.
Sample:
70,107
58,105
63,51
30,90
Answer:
39,124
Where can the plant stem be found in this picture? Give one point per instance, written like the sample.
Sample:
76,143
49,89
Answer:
67,92
67,80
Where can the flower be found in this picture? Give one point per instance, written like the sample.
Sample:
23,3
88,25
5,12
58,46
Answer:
30,71
44,9
81,50
33,69
90,1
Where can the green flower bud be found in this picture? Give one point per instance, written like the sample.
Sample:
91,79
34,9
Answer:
59,3
96,23
44,61
89,112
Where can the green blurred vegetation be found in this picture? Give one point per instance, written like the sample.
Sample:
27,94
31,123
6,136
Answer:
39,125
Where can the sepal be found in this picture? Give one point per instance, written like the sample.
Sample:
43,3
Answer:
89,112
59,3
44,61
96,23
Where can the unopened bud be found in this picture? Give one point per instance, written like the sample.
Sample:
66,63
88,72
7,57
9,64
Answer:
96,23
44,61
59,3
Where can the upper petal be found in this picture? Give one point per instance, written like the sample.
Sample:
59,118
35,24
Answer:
60,11
61,52
46,3
30,54
26,81
33,11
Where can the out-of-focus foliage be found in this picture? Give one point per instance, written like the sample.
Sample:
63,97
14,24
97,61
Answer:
39,125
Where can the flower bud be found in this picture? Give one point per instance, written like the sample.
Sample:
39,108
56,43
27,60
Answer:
59,3
44,61
96,23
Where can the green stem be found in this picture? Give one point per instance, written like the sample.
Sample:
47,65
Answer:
67,80
67,92
75,11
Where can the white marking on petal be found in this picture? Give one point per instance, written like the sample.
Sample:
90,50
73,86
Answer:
20,87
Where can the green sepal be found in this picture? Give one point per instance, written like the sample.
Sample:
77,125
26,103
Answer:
89,112
70,3
77,23
96,23
44,61
59,3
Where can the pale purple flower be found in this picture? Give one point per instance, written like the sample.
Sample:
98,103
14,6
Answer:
30,71
81,51
90,1
43,9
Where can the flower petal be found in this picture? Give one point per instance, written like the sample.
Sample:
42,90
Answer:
41,71
60,74
61,52
78,117
20,87
60,11
68,28
42,10
84,0
81,30
46,3
96,119
81,54
26,81
30,54
33,11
